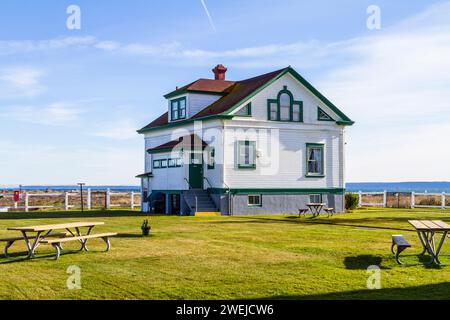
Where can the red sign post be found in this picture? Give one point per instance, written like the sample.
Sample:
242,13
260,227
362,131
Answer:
16,196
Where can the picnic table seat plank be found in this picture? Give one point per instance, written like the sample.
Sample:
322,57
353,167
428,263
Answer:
56,243
77,238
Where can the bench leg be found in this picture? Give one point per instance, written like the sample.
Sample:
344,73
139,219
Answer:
108,243
7,246
397,255
58,250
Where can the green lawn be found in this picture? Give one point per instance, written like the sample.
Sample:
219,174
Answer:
280,257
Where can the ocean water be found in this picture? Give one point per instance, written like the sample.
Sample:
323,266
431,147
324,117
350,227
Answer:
75,187
430,187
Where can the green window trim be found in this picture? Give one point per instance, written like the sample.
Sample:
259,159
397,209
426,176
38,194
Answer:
321,113
252,164
251,203
167,163
176,111
211,158
156,164
293,104
248,106
320,174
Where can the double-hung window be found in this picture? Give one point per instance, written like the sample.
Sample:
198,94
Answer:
254,200
178,109
315,160
247,154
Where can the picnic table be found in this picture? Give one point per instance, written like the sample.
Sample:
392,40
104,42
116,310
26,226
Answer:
316,208
427,230
35,235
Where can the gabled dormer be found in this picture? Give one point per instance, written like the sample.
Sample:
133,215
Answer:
187,101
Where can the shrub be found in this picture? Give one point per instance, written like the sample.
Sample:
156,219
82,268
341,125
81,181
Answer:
351,201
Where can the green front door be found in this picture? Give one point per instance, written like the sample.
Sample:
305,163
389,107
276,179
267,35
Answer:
196,170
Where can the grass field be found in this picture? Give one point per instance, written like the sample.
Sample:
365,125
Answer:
263,257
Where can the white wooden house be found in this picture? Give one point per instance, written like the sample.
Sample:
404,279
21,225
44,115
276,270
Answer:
268,144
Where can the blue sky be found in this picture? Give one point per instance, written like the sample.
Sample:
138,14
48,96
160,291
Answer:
71,100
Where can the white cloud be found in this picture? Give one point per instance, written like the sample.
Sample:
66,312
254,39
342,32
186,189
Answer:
28,46
20,82
56,114
119,130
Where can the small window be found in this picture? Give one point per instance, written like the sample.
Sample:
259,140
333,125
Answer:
315,198
211,158
156,164
247,154
178,109
179,162
296,113
172,163
315,160
164,163
245,111
323,116
273,111
255,200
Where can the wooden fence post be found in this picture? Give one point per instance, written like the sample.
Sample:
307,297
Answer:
66,201
360,199
108,199
132,200
26,202
385,199
413,200
443,200
89,199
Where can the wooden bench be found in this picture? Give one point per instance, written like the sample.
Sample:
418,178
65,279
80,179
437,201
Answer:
400,242
302,212
329,211
10,241
56,243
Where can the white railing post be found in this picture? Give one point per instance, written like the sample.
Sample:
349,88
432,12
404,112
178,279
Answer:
89,199
132,200
26,202
108,199
443,200
384,199
413,200
66,201
360,199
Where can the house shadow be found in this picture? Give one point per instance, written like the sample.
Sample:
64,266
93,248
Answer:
424,292
362,262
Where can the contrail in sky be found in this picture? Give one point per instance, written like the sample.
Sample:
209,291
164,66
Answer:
209,16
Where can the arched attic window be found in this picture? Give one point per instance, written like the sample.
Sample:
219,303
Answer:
285,108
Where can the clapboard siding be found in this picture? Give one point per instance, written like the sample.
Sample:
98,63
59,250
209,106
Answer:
197,102
168,178
286,166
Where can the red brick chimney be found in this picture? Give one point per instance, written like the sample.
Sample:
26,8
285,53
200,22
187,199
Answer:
219,72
